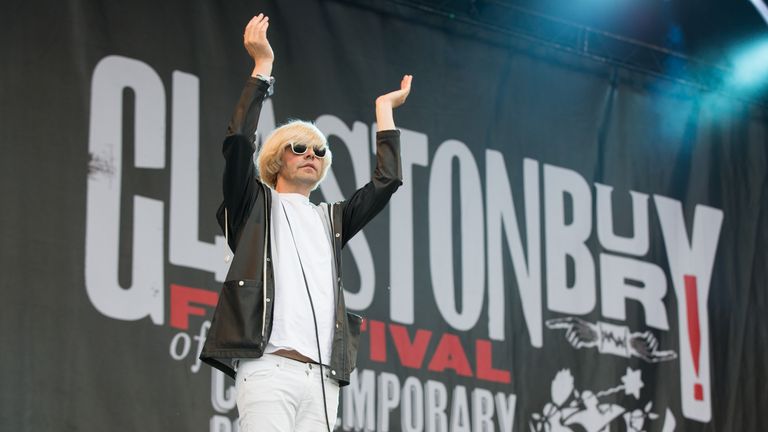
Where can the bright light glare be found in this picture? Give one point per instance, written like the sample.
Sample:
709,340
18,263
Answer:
762,8
751,67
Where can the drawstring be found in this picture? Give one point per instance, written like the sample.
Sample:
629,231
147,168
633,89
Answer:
314,317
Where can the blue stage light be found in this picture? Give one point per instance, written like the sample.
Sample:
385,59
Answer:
762,8
750,67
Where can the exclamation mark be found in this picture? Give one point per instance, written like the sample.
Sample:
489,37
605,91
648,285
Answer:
694,334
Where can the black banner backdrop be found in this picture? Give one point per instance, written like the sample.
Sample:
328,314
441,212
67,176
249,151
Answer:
576,247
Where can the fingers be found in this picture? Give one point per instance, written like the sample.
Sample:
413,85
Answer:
560,323
252,23
658,356
405,83
397,98
650,340
665,355
573,338
256,25
261,27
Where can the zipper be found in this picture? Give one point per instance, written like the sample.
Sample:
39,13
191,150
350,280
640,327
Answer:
340,291
335,255
264,269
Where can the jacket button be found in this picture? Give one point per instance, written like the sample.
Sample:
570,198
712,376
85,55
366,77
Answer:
268,300
338,235
241,283
268,259
337,325
333,372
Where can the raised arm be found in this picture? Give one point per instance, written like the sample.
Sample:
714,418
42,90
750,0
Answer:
386,103
369,200
240,186
257,45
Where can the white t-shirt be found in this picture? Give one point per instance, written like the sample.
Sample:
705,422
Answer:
292,325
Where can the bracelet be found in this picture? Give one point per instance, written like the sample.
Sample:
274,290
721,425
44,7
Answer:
270,80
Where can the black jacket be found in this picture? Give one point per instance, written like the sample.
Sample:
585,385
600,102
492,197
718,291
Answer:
242,322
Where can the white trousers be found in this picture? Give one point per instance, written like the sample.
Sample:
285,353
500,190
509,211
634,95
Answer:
278,394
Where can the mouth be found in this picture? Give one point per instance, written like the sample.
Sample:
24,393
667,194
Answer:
308,166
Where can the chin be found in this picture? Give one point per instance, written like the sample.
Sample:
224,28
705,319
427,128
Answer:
311,180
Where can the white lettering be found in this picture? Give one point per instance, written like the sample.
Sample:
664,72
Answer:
185,249
180,346
355,140
200,339
422,407
566,240
412,408
482,410
436,403
691,262
635,245
359,399
460,410
505,411
223,396
616,271
413,152
441,264
501,214
220,423
388,398
145,296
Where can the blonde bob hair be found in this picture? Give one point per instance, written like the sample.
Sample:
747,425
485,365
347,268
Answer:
270,159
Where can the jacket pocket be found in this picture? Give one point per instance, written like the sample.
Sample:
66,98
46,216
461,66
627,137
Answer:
238,320
353,339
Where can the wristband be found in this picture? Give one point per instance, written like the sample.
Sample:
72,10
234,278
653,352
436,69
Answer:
270,80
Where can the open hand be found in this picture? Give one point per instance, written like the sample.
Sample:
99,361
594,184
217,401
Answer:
397,97
255,40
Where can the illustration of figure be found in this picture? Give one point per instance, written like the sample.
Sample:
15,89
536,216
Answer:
576,411
611,339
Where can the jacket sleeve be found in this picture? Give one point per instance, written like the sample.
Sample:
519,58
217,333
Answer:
241,186
369,200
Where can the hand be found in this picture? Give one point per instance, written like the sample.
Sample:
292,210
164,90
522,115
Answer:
579,333
646,346
257,45
396,98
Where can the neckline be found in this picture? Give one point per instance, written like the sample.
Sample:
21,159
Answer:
294,197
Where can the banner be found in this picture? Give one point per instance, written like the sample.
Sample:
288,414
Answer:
575,247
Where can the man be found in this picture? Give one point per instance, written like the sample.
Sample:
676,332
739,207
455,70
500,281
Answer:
281,328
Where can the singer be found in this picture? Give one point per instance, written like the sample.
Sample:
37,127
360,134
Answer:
281,328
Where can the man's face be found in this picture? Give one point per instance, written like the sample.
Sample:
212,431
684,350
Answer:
302,170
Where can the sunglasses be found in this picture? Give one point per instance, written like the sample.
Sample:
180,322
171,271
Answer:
300,149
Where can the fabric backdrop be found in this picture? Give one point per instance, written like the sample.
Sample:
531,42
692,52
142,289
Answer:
575,246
